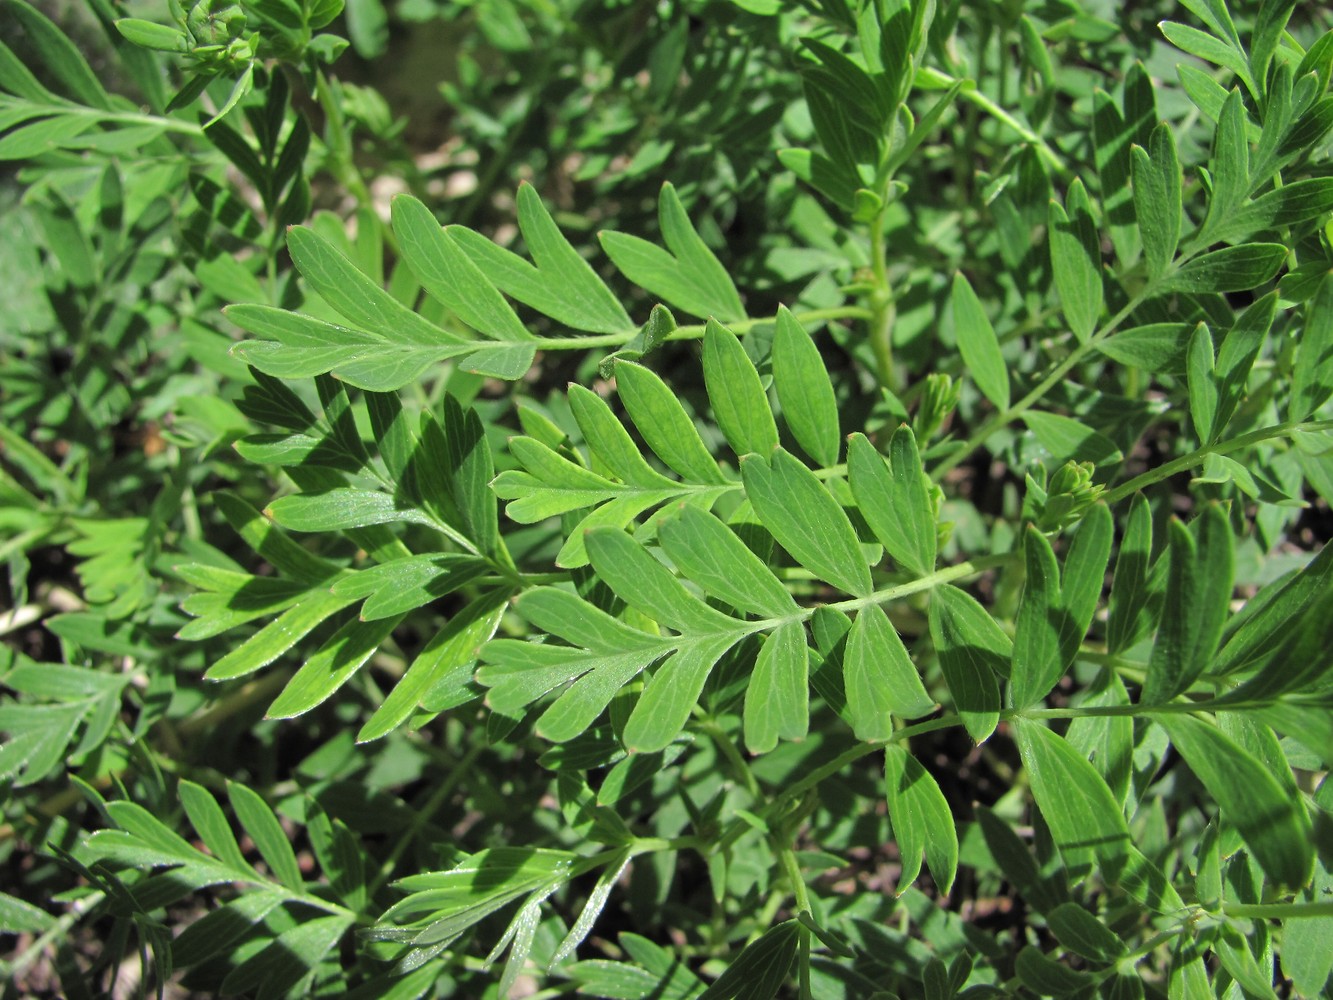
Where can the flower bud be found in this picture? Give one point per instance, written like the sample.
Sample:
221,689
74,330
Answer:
1064,499
938,400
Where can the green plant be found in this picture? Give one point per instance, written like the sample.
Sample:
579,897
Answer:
910,581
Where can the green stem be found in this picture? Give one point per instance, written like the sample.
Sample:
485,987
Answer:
130,118
1185,462
883,311
1053,378
927,582
1103,711
341,154
24,540
825,771
56,931
503,157
1279,911
929,726
727,747
422,815
696,331
792,869
238,701
934,79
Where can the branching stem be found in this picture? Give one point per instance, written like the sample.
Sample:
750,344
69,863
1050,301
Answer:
1197,457
696,331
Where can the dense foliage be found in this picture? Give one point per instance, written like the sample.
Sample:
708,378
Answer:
689,499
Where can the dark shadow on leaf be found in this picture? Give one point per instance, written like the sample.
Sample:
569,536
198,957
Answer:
270,401
1323,837
826,675
1017,864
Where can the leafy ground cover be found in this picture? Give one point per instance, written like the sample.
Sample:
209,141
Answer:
695,499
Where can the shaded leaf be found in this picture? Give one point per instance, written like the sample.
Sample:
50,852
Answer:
978,344
1076,260
1037,660
1312,370
1274,824
1157,199
972,651
1085,935
1271,615
1129,601
1198,594
761,969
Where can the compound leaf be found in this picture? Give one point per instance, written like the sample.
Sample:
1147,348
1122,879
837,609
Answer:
978,344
